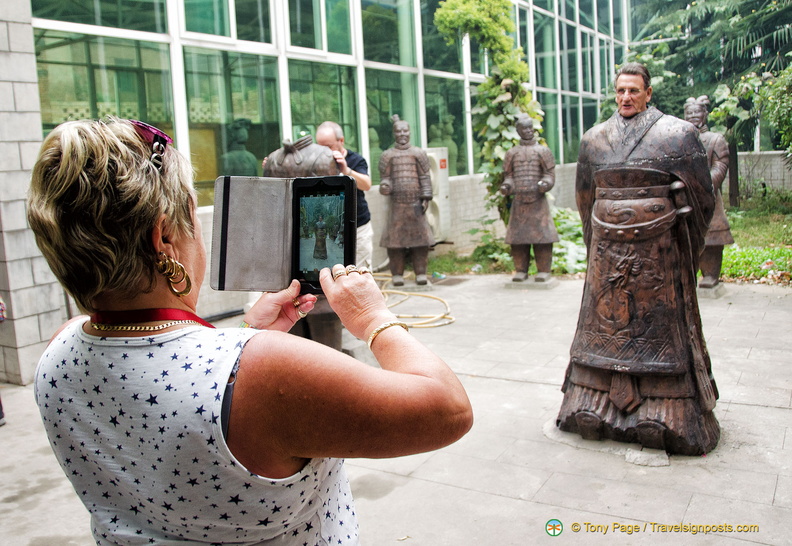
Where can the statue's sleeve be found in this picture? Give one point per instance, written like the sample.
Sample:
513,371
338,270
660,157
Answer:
385,166
548,166
584,190
695,173
424,178
508,167
720,161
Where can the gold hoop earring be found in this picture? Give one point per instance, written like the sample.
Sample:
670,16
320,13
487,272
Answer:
175,273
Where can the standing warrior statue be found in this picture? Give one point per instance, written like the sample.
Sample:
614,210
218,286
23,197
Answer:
718,234
404,176
530,174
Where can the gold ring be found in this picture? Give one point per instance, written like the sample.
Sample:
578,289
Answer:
363,270
301,313
296,302
352,269
339,273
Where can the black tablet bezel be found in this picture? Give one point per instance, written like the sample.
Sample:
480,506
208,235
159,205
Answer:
311,186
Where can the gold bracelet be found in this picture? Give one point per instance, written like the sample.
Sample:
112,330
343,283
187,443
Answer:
379,329
244,324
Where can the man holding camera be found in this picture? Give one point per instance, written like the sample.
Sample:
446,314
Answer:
354,165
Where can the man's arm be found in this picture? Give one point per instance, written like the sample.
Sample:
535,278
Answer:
362,180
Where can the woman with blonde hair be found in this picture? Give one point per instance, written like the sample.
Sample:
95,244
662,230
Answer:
173,431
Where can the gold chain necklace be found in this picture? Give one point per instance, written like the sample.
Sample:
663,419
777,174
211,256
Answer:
131,328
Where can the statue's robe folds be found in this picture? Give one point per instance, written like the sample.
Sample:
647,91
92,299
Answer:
639,369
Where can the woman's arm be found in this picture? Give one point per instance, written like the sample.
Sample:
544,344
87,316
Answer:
295,399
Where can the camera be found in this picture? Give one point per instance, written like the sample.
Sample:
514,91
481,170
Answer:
267,231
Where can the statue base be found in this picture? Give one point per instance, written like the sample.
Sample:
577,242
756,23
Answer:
532,284
411,286
715,292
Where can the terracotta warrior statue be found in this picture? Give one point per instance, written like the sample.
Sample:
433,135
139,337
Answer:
404,177
639,369
529,170
238,161
719,234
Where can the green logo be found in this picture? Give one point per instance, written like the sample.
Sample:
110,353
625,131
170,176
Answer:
554,527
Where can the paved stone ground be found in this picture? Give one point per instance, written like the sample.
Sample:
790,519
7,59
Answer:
514,471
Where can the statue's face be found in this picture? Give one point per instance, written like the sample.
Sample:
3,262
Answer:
525,129
401,133
631,95
696,115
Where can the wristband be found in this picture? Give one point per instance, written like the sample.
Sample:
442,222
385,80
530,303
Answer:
244,324
382,327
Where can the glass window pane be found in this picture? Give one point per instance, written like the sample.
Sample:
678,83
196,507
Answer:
590,114
437,55
478,58
234,114
323,92
339,35
569,75
619,55
587,58
546,4
388,33
586,13
147,16
603,16
253,20
567,9
570,127
305,24
207,16
445,117
618,20
545,44
606,67
550,132
389,93
88,77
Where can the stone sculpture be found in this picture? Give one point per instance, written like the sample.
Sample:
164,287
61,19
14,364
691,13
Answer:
719,233
529,170
238,161
639,368
404,177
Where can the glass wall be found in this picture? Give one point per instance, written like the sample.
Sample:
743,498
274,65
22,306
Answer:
388,35
445,118
570,126
90,77
389,93
322,92
253,20
550,126
437,55
569,70
206,16
234,113
146,16
307,27
546,49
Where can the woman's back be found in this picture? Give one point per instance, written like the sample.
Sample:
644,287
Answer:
136,425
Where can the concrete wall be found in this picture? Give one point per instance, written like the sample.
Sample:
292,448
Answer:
767,167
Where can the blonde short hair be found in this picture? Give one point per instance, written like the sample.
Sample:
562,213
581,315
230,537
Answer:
94,200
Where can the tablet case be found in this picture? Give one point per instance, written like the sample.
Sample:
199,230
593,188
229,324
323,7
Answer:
252,234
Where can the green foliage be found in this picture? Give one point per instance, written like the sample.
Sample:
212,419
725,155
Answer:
776,100
504,95
569,254
752,263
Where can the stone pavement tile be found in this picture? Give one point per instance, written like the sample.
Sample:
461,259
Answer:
773,521
748,394
481,443
472,367
727,349
521,372
684,474
559,458
401,466
783,493
512,427
743,426
483,475
614,498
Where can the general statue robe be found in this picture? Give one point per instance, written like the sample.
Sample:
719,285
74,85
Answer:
639,369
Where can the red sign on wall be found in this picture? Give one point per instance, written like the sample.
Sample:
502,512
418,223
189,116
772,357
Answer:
443,164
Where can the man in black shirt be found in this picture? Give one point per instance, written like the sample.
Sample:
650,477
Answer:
352,164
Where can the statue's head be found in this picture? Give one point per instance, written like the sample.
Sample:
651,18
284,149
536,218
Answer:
401,131
238,130
633,89
697,110
525,126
